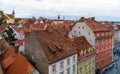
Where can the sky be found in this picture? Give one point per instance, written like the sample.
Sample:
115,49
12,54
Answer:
71,9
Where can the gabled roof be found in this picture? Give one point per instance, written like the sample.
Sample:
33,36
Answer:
8,58
2,28
1,71
81,44
20,66
9,16
95,26
16,64
54,45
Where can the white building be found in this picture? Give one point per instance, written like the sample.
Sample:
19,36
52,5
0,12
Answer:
116,33
64,66
82,29
51,52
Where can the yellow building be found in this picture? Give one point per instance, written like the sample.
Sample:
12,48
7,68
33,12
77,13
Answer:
9,18
86,65
86,56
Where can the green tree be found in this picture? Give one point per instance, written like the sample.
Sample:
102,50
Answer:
2,20
9,35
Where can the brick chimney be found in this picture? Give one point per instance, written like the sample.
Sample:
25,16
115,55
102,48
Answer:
93,18
82,19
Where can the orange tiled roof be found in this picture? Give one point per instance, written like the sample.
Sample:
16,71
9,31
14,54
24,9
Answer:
81,44
39,26
20,66
9,52
9,16
53,43
2,28
95,26
7,58
1,72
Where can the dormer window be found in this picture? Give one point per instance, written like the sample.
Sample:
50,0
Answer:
106,33
84,52
110,33
82,27
98,34
102,34
81,53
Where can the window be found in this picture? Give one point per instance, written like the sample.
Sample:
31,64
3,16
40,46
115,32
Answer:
61,65
74,31
74,69
82,27
98,34
80,70
110,33
54,68
96,64
68,61
89,33
102,41
68,71
79,32
73,59
106,33
85,67
103,54
84,52
62,72
102,61
102,34
107,52
81,53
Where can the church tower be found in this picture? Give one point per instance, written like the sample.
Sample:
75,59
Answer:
13,12
58,16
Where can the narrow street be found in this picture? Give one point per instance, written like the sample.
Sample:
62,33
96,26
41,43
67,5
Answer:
116,68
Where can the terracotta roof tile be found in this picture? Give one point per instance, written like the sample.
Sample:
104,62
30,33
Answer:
20,66
53,43
2,28
9,16
9,52
95,26
20,42
81,44
1,72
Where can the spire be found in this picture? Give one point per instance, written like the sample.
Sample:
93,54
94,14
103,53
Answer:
13,12
58,16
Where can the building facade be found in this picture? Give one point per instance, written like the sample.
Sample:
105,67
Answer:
100,37
86,56
52,53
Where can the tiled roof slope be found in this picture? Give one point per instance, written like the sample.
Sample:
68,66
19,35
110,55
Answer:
81,44
2,28
54,45
95,26
1,72
20,66
9,16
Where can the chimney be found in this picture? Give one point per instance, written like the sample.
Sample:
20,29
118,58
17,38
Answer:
82,19
16,50
93,18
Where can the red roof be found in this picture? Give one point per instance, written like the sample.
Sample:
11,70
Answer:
19,42
7,58
20,66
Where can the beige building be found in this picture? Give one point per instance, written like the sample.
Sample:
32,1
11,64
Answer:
9,18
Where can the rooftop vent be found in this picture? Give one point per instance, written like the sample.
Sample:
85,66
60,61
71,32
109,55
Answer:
52,50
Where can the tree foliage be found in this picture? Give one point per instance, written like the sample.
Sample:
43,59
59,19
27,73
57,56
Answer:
2,20
9,35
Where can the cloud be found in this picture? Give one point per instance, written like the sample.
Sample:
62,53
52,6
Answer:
63,7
